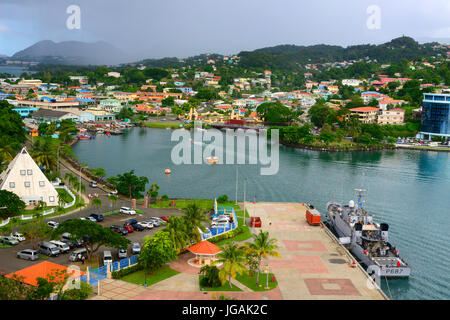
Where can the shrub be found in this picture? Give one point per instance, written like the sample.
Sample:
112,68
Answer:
211,277
78,294
123,272
164,197
222,198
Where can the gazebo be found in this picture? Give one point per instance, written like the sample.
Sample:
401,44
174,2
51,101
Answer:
205,253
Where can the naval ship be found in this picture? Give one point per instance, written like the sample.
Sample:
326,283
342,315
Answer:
367,240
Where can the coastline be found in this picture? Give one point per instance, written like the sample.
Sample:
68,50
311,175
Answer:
331,149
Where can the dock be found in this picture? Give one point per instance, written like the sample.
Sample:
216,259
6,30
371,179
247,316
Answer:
313,265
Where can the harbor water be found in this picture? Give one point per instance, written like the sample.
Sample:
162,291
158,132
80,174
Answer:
407,189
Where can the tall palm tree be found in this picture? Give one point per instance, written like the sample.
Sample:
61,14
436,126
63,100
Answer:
44,152
263,246
178,232
113,199
195,217
97,202
233,259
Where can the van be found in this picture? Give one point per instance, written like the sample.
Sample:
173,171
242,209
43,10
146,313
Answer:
107,257
74,256
66,236
49,249
97,216
63,247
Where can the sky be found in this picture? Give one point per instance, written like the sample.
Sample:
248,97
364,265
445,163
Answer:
182,28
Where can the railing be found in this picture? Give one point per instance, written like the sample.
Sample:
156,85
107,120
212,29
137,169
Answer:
92,276
214,232
47,212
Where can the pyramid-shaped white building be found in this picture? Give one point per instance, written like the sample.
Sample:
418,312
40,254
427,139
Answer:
24,178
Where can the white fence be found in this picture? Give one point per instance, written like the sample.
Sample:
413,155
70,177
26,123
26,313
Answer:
47,212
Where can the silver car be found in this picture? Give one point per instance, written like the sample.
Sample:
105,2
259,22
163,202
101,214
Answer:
8,240
136,248
28,254
122,253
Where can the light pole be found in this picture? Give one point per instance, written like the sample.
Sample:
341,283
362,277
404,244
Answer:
79,187
245,187
237,177
267,281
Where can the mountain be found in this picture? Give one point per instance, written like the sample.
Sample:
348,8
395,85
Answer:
289,57
72,52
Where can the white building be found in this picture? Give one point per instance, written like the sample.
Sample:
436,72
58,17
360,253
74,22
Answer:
351,82
114,74
24,178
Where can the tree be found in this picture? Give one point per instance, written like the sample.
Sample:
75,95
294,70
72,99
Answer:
124,113
11,204
233,259
44,152
153,192
97,202
94,235
194,215
36,229
130,184
157,251
15,289
210,276
99,172
113,199
274,112
179,231
168,102
222,199
263,246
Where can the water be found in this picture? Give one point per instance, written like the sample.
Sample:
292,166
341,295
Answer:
407,189
14,71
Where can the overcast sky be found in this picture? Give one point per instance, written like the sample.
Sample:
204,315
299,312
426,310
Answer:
181,28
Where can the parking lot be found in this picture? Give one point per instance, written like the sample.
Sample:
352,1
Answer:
10,263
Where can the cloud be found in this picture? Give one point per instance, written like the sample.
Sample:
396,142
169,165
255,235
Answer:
4,28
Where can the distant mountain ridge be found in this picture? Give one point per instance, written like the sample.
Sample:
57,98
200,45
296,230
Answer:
72,52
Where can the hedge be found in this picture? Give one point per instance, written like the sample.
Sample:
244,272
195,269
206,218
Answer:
123,272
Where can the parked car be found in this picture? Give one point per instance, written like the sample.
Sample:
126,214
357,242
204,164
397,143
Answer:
113,193
155,222
131,221
75,255
128,227
90,219
49,249
62,246
122,253
97,216
28,254
120,230
18,236
93,184
255,222
8,240
69,243
127,210
66,237
107,257
53,224
146,224
137,227
136,248
164,218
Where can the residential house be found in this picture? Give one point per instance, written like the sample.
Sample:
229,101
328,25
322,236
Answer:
393,116
366,114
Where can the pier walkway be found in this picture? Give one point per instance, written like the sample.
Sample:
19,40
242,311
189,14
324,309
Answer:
312,265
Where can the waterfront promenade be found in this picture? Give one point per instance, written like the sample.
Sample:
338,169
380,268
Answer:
312,266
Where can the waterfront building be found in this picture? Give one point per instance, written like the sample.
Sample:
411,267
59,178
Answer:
435,115
393,116
45,115
25,111
110,105
24,178
366,114
49,104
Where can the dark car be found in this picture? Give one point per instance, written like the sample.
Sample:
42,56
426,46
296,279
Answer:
137,227
131,221
120,230
69,243
97,216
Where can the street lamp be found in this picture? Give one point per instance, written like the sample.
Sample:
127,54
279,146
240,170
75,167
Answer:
237,179
245,185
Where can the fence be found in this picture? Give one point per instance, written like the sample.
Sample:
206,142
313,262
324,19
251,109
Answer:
47,212
92,276
214,232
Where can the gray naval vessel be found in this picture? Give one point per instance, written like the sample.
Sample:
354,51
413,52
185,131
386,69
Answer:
367,240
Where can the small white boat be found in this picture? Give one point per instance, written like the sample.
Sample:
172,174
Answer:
212,160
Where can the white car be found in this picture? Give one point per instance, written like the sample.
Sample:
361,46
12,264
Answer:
135,248
9,240
146,224
156,222
127,210
53,224
91,219
18,236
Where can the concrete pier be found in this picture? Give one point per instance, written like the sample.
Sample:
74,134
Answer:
313,265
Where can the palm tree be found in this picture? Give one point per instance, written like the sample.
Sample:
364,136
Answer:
195,217
263,246
178,232
44,152
97,202
233,259
113,199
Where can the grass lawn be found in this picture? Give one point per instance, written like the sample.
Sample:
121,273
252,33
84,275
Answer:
5,246
225,287
162,125
118,211
138,277
250,282
205,204
245,235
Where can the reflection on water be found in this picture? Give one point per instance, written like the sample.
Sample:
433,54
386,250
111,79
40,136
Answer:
406,189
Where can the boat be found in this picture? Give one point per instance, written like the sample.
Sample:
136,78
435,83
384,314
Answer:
167,171
367,240
84,137
212,160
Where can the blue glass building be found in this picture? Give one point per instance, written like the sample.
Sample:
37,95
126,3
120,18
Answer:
435,115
